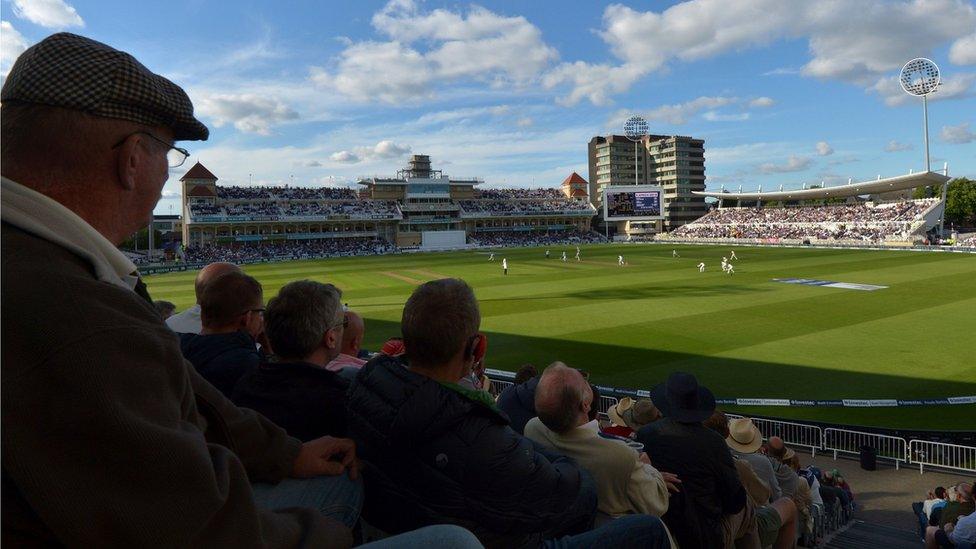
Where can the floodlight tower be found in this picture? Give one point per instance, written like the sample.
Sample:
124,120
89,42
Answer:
920,77
635,128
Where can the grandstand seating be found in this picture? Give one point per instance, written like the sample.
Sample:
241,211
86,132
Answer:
289,249
850,222
517,238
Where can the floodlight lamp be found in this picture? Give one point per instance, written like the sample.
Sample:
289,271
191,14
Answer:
920,77
635,128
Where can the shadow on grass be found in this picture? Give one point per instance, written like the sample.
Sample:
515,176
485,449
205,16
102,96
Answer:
636,368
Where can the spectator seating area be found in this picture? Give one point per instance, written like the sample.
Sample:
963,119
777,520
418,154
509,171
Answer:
848,222
967,241
524,238
524,206
284,193
289,249
372,209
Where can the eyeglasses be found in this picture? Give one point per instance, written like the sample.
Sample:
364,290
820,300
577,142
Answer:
175,156
344,323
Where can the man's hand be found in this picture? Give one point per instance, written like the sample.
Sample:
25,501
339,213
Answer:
672,481
326,456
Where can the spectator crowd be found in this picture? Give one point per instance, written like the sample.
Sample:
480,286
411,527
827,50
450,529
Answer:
235,192
534,238
509,207
843,222
288,249
947,516
520,194
242,422
284,209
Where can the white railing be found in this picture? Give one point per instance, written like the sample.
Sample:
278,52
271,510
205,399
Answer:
794,434
942,454
606,402
497,386
850,442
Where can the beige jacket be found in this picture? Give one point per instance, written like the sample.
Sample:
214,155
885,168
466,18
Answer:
624,484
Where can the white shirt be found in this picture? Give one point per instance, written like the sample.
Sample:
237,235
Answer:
504,264
187,322
47,218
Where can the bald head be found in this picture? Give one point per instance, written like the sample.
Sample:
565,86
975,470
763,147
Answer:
210,273
352,334
777,448
562,398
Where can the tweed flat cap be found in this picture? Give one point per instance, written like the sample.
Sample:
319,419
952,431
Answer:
74,72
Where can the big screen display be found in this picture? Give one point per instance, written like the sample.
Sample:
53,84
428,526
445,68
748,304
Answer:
637,202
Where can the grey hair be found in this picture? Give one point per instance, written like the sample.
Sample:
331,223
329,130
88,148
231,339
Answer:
558,406
298,316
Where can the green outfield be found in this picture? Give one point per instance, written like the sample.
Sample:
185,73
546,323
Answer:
743,335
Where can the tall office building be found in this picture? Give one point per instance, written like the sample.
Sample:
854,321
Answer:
674,162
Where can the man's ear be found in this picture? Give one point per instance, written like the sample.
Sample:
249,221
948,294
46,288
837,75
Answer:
331,340
129,161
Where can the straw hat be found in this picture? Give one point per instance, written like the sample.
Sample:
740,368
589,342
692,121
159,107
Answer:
744,436
633,413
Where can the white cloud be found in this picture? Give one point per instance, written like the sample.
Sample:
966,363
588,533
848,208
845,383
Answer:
679,113
793,164
963,51
429,49
957,134
524,122
824,148
53,14
782,71
897,146
313,164
389,149
345,157
463,114
715,116
385,149
955,86
248,113
856,42
762,102
12,44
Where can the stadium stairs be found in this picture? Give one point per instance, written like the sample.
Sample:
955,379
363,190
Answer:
862,535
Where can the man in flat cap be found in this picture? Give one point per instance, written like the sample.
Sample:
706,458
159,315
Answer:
108,436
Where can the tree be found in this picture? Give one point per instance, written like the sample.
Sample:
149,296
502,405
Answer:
927,192
961,202
142,239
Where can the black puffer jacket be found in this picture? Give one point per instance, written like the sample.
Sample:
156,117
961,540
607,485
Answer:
436,456
518,401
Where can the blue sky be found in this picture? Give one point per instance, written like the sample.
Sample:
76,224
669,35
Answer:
311,93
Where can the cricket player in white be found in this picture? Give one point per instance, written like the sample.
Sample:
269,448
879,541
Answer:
732,256
578,254
505,265
701,267
730,269
674,253
547,254
725,264
491,257
620,260
564,256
